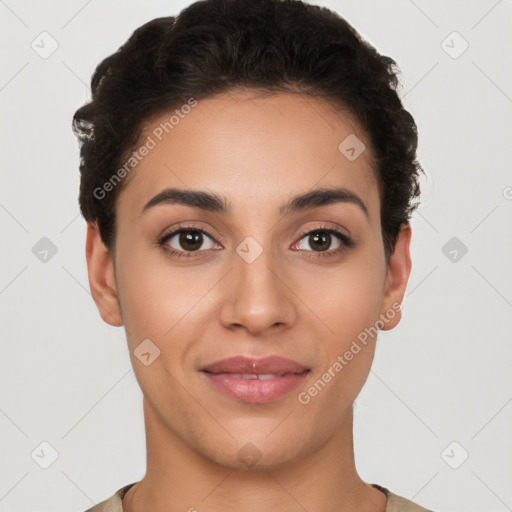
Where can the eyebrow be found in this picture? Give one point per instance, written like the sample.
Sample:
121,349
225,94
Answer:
212,202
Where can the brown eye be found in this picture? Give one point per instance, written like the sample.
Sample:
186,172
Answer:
191,240
188,240
320,241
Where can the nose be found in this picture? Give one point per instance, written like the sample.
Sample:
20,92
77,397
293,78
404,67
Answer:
257,296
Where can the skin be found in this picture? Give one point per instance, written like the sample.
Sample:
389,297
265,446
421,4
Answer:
258,152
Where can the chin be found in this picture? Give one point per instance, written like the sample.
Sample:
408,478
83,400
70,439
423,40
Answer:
254,455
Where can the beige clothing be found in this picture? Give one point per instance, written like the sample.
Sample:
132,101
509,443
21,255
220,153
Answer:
395,503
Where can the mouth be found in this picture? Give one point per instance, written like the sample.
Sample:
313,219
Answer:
255,381
253,376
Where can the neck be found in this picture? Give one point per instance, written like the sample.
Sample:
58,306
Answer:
180,479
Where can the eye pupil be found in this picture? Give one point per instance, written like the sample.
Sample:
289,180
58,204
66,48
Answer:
321,238
191,240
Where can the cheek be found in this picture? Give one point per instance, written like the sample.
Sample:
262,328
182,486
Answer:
349,300
349,307
156,296
348,352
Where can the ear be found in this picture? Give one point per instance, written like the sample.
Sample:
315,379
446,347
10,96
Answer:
102,282
399,269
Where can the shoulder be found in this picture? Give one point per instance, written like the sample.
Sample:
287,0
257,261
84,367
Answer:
114,503
398,503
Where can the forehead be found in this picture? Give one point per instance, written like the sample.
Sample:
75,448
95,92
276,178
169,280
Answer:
254,149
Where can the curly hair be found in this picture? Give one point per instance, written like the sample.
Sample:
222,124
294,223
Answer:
216,46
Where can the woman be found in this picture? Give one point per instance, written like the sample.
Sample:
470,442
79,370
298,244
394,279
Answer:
248,173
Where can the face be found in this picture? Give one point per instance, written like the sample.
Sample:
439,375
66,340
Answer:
250,273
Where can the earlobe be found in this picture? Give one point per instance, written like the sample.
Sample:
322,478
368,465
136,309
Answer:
102,283
398,271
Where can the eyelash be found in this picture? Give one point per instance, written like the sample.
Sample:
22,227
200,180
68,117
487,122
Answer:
346,242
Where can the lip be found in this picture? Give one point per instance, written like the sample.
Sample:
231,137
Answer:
253,380
252,365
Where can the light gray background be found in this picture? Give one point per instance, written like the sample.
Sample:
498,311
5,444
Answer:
442,375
